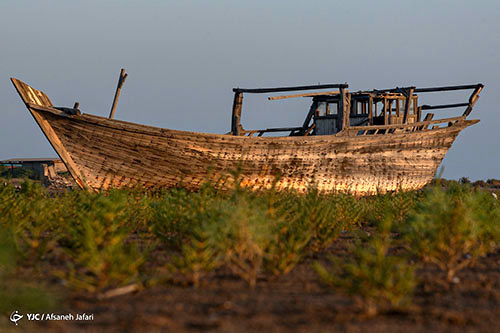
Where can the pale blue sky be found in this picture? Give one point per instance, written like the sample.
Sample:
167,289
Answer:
183,58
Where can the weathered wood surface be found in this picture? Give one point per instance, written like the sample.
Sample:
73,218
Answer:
121,81
473,99
31,96
274,98
295,88
236,128
443,106
107,153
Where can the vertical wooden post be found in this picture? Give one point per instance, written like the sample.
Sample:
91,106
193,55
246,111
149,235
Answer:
407,106
347,110
370,110
121,81
386,104
342,108
236,127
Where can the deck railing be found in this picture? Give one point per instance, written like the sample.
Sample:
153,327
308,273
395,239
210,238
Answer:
398,128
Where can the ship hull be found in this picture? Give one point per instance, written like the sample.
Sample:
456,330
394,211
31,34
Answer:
101,153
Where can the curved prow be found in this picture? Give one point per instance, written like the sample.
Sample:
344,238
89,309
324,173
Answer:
38,104
30,95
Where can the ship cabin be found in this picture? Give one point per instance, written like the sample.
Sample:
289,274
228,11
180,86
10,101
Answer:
344,113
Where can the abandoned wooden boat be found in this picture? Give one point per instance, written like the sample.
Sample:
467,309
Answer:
359,142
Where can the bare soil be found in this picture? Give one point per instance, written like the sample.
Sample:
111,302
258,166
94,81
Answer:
295,302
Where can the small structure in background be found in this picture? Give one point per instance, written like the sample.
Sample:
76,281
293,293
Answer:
50,171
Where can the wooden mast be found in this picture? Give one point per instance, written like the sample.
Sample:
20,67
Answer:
121,81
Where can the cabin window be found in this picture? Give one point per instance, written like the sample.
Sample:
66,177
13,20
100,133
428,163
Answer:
321,109
412,105
359,107
325,109
333,108
398,106
380,108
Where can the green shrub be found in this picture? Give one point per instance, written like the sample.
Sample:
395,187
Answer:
97,242
397,204
16,290
139,208
452,228
7,253
244,235
286,247
199,255
178,211
377,278
32,218
7,199
18,172
323,216
242,230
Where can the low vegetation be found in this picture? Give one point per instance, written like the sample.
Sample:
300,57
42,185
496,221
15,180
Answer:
16,172
452,228
376,277
94,242
18,289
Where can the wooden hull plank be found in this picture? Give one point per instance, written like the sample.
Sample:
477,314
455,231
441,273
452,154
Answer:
106,153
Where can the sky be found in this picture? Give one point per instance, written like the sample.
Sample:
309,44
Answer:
184,57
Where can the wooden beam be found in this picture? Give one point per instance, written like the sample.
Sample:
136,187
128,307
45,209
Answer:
472,100
397,108
409,100
310,114
419,90
280,129
297,88
427,121
448,88
443,106
310,130
236,128
347,109
342,109
121,81
370,110
273,98
386,103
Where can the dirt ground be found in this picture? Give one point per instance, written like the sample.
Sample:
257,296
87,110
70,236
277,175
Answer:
294,302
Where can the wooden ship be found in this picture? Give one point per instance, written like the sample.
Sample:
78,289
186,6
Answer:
361,142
